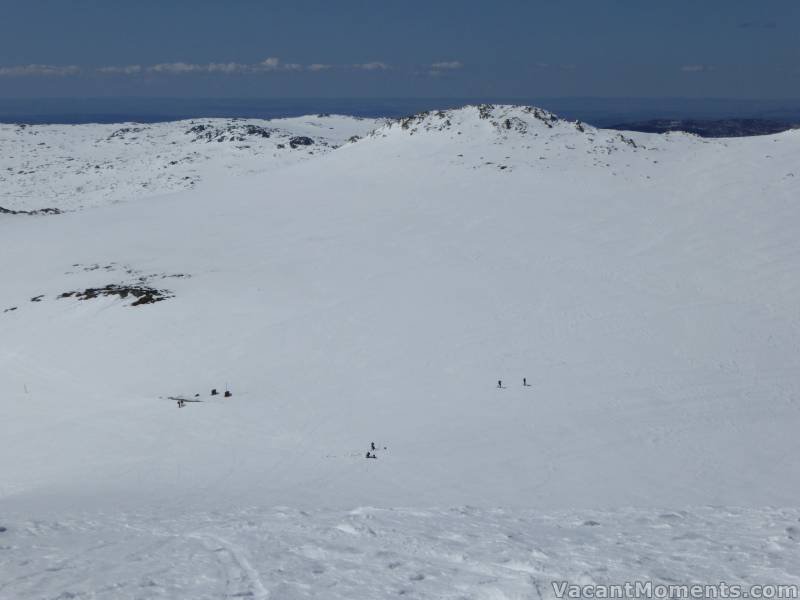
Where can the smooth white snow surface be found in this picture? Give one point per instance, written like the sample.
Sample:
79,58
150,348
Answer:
646,286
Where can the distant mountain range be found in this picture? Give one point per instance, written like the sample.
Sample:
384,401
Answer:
710,128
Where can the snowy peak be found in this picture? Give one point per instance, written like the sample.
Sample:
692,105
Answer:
501,118
512,125
511,138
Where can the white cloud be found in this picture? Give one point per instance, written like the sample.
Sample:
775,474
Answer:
175,67
438,68
124,70
230,67
696,68
39,70
372,66
269,64
447,65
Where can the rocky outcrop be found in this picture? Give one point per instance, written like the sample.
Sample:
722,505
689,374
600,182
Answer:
234,132
300,140
40,211
143,294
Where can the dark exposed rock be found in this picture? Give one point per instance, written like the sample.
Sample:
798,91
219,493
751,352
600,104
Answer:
300,140
257,131
40,211
142,293
485,110
124,131
516,124
415,119
234,132
542,115
627,140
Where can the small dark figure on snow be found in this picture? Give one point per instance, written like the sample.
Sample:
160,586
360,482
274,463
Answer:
228,394
372,446
214,392
524,382
370,455
499,383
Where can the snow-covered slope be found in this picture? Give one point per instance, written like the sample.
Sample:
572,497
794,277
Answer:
453,554
75,166
646,286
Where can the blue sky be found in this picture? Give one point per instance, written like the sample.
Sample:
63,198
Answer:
410,48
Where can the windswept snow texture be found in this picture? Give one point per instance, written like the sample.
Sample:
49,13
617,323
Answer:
76,166
645,285
462,553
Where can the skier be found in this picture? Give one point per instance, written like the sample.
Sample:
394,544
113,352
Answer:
214,392
499,383
228,394
524,382
372,446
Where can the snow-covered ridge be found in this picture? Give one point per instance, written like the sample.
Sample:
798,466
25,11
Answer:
514,137
46,169
67,167
502,119
508,117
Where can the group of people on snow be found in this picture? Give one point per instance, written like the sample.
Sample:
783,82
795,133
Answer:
524,383
371,451
182,401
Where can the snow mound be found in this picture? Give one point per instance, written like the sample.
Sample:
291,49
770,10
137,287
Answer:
69,167
519,119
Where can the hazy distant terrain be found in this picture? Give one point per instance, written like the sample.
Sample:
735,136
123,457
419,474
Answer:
711,128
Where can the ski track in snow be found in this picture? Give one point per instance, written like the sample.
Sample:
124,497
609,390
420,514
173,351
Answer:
241,578
378,553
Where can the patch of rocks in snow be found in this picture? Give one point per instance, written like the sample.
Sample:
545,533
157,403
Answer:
137,289
69,167
509,137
